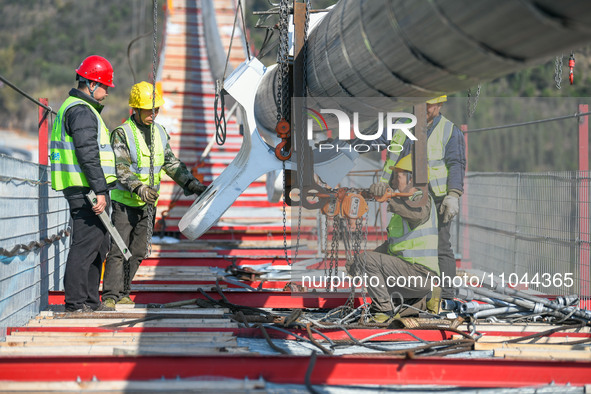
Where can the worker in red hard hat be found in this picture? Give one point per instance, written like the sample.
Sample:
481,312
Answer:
82,160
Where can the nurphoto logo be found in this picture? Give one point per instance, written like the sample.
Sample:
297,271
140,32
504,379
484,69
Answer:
391,121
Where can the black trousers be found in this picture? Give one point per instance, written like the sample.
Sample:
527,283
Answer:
447,260
90,244
132,224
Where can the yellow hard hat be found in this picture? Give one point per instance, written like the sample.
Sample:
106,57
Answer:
141,96
436,100
404,164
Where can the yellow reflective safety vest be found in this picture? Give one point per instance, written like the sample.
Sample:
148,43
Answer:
140,161
435,153
416,246
393,154
65,170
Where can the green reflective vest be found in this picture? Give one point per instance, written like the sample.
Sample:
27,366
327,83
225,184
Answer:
140,161
435,153
416,246
65,170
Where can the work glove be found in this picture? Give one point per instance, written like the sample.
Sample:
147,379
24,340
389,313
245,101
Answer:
449,208
378,189
194,187
147,194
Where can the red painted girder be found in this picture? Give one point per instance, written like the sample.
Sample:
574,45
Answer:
333,370
427,335
333,334
263,299
220,262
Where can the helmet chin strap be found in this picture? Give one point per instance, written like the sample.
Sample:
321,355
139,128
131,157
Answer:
139,117
90,89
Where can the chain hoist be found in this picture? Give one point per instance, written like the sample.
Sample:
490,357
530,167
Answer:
283,150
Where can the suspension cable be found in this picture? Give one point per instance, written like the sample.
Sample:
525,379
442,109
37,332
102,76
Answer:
48,108
575,115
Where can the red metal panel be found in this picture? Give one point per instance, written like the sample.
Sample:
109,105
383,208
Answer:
341,370
427,335
258,300
43,134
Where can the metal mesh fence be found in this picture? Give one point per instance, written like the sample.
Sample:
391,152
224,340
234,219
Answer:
530,229
32,216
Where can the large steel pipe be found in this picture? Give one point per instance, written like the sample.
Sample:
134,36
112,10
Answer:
424,48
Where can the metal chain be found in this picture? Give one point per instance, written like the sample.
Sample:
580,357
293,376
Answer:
282,62
473,103
282,92
284,216
300,156
326,256
558,70
151,209
34,245
334,248
363,264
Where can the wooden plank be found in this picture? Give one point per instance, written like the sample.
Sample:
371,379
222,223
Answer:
531,346
99,350
127,322
134,313
127,386
519,327
543,340
74,341
542,354
110,334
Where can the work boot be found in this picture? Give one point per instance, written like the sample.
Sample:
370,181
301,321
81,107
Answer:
433,304
108,305
381,317
84,309
126,300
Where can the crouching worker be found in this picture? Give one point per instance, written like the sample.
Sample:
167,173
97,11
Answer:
131,144
405,264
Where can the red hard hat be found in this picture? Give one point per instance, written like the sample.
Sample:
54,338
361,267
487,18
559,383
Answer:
98,69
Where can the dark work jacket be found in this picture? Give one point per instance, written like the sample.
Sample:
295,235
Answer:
81,124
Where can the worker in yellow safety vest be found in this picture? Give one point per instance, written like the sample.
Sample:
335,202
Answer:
405,264
131,144
82,160
446,155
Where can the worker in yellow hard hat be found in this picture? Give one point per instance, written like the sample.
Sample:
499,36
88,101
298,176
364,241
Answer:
446,156
132,143
410,251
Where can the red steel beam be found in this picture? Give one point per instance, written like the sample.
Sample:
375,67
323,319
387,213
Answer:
253,299
331,370
333,334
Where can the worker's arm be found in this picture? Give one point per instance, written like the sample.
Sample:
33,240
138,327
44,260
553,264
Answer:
414,216
455,161
179,173
123,161
82,126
